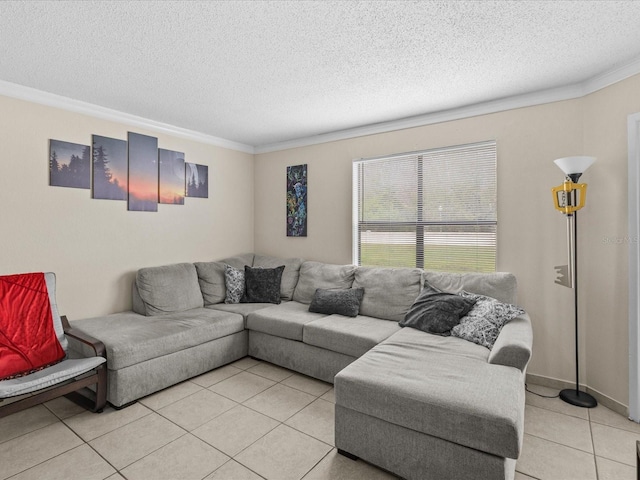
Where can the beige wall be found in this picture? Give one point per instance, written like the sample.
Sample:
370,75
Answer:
605,258
96,246
531,234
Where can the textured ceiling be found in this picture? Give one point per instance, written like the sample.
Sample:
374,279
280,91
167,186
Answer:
263,72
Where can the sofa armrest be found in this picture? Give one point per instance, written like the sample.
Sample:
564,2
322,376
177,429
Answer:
74,334
513,345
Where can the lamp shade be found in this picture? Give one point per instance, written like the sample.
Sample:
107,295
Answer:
574,165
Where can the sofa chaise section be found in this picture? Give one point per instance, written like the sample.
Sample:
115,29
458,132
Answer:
169,339
435,407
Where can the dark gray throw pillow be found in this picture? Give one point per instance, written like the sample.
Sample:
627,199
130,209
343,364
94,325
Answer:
341,301
262,285
436,312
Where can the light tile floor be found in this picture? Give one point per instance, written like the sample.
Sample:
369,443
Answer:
252,420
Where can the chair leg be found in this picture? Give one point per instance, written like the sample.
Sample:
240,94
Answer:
101,389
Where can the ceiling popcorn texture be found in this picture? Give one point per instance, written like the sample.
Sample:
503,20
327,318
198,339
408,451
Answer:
265,72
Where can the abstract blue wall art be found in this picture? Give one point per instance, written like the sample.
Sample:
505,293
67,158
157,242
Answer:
297,207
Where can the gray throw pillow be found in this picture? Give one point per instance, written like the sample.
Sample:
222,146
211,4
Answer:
262,285
234,280
436,312
337,301
483,323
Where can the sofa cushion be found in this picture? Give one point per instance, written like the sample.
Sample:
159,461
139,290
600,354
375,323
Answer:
262,285
211,277
285,320
170,288
243,309
388,292
483,323
337,301
500,285
289,276
351,336
314,275
436,312
239,261
417,381
211,280
130,338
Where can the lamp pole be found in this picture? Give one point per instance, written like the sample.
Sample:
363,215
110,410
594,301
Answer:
575,397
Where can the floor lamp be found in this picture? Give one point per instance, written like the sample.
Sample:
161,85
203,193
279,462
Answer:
569,198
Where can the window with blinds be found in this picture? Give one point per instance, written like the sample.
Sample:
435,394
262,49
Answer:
434,209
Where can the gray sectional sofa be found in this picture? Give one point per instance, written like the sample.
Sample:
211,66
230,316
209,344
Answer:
419,405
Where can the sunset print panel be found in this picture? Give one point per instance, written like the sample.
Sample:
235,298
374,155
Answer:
171,177
197,180
109,168
143,173
69,164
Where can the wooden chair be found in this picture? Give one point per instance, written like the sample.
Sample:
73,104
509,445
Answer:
71,377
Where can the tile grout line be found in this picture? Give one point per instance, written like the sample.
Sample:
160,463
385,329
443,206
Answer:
558,443
280,423
593,445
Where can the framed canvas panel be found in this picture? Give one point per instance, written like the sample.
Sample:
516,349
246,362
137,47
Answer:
143,173
197,177
110,168
69,164
297,208
172,174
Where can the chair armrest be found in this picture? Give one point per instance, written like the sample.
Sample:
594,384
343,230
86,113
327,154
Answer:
94,343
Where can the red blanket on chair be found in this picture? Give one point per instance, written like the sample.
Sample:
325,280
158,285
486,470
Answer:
28,338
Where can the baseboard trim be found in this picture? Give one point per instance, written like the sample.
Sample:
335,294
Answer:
603,399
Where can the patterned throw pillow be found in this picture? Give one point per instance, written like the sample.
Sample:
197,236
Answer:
341,301
483,323
234,280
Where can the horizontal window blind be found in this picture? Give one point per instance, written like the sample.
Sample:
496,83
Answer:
434,209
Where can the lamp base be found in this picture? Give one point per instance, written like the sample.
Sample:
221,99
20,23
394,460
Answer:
578,398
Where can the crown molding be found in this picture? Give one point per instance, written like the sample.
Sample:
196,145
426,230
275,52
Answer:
540,97
610,77
493,106
65,103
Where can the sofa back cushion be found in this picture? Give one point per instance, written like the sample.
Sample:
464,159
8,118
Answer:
138,304
168,289
500,285
239,261
289,276
388,292
211,277
314,275
211,280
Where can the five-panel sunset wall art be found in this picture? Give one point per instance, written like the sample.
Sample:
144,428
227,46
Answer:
135,170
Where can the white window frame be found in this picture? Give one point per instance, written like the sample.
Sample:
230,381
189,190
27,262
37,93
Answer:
355,192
